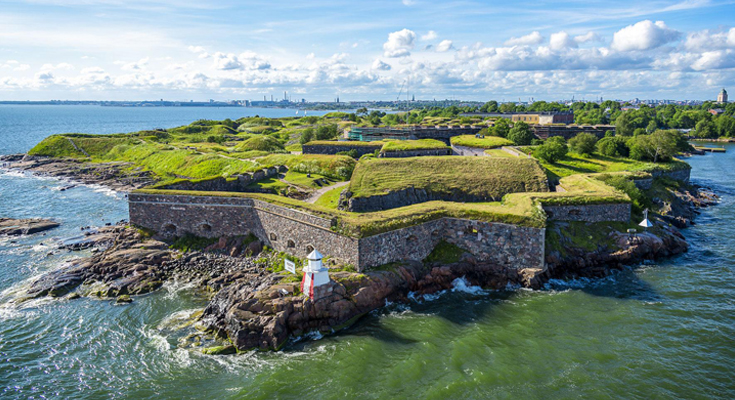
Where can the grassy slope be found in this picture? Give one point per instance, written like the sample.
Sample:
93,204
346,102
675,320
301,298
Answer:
330,199
489,142
480,176
577,164
422,144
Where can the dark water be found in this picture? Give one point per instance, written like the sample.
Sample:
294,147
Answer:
653,332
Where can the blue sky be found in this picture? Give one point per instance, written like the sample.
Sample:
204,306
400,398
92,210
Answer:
474,50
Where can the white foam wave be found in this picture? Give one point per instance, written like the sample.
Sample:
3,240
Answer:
463,285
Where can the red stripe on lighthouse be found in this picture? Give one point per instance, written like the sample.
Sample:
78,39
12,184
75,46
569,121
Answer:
303,278
311,289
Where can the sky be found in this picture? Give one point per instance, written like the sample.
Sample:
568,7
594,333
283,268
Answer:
365,50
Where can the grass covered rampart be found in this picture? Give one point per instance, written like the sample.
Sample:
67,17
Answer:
482,177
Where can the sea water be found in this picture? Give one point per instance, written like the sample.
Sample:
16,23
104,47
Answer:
655,331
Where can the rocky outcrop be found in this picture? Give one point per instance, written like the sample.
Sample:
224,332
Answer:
674,212
258,316
119,176
17,227
627,249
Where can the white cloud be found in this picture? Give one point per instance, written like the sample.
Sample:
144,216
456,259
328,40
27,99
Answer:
706,40
532,38
60,66
644,35
197,49
444,45
310,56
399,44
136,66
587,37
408,2
430,35
245,61
379,65
561,40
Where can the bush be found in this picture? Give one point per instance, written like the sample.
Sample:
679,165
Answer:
614,146
352,153
583,143
307,136
521,134
326,132
658,146
553,150
625,185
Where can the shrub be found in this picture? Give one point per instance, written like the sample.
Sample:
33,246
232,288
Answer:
352,153
554,149
614,146
326,132
307,136
583,143
521,134
625,185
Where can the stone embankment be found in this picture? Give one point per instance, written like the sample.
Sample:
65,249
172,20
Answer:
28,226
115,175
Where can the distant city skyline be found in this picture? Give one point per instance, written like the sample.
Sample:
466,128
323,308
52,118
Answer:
319,50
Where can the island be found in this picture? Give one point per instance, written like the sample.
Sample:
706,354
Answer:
385,212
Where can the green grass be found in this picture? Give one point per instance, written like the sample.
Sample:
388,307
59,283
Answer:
488,142
577,164
445,253
293,147
334,167
516,208
499,153
422,144
330,199
300,179
479,176
260,143
375,144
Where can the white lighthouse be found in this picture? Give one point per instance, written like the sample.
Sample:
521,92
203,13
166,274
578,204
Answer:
315,276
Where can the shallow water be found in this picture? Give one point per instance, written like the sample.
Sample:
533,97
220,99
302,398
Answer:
660,331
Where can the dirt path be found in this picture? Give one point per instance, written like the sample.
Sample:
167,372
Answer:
317,194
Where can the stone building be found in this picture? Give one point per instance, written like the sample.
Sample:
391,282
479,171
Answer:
722,97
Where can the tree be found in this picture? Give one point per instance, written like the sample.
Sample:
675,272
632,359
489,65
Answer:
553,149
489,107
725,126
584,143
326,132
652,126
520,134
501,128
658,146
614,146
705,129
307,136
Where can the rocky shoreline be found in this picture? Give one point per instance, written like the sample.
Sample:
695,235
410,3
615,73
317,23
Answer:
27,226
118,176
253,304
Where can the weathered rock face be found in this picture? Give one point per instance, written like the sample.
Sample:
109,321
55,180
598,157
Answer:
130,266
16,227
264,317
629,249
115,175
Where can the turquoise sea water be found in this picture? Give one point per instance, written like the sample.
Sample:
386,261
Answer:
656,331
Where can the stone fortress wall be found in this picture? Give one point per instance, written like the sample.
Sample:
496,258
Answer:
297,233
